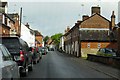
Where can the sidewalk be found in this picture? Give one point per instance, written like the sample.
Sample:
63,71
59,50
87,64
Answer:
113,72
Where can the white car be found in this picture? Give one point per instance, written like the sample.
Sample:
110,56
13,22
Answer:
8,67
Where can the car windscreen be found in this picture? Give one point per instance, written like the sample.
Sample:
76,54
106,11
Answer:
12,45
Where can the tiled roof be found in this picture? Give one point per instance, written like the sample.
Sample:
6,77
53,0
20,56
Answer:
37,33
98,15
94,35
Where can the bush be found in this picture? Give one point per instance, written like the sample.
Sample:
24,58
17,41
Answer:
104,54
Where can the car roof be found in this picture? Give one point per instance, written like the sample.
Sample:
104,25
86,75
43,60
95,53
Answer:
10,37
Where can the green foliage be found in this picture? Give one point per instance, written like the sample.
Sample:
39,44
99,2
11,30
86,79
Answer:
56,38
103,54
46,39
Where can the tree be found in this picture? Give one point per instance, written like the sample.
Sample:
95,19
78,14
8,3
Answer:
46,39
56,38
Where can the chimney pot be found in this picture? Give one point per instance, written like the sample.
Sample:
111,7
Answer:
95,9
85,17
27,25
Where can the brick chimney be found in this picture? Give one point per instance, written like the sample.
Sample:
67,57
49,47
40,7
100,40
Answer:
95,9
78,21
84,17
65,31
68,28
27,25
112,20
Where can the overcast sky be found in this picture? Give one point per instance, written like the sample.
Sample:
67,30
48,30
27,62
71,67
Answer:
53,16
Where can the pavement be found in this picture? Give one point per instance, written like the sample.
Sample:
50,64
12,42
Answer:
108,70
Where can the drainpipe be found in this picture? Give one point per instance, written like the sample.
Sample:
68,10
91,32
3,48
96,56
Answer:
79,42
71,44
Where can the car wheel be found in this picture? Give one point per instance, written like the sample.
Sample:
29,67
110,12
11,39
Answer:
38,60
25,72
35,62
40,57
30,68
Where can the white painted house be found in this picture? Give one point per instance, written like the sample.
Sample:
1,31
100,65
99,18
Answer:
27,35
61,45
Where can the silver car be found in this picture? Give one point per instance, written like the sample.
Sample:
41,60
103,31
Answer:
106,52
8,67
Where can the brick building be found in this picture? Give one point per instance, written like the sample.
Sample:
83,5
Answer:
90,34
16,30
6,23
9,22
71,40
67,40
38,38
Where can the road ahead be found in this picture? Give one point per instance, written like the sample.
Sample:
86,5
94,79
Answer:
57,65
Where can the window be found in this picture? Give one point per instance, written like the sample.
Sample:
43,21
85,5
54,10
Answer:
10,57
99,45
1,56
88,45
6,56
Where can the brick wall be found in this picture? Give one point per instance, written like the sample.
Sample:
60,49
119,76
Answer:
95,21
5,31
39,38
118,38
99,44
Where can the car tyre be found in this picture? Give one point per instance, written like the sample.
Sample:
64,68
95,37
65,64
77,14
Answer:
35,62
30,68
25,72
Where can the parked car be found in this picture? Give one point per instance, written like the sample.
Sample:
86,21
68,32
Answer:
40,52
8,67
106,52
44,50
36,55
20,53
51,49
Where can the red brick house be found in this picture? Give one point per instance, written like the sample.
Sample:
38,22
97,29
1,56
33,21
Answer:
38,38
16,30
118,38
90,34
9,23
6,23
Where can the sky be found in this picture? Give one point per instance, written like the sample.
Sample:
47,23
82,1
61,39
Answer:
53,16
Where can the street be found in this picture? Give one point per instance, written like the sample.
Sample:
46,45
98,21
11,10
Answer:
60,39
58,65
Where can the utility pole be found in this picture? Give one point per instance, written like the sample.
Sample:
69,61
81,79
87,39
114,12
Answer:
19,29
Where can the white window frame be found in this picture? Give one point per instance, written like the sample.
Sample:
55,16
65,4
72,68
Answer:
99,45
88,45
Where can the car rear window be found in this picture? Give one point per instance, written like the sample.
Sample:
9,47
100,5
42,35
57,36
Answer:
11,44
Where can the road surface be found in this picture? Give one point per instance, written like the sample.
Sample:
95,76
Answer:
58,65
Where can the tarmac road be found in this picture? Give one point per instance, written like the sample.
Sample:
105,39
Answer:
58,65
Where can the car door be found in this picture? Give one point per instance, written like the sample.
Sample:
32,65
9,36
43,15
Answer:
15,71
4,69
10,69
